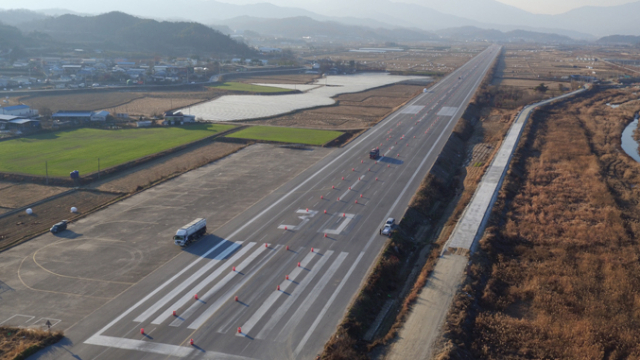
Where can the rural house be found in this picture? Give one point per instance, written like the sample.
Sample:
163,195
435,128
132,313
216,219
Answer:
19,110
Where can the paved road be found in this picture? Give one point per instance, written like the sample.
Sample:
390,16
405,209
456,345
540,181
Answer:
293,267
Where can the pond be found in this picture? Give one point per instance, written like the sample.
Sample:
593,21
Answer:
629,144
241,107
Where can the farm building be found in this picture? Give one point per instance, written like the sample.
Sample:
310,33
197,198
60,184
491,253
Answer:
19,110
18,123
74,116
178,117
99,115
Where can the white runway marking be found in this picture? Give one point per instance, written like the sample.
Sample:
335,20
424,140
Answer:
352,186
326,306
178,289
278,314
346,220
447,111
219,285
189,296
227,296
411,109
311,297
266,305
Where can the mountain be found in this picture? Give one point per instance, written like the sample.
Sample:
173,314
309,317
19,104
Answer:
302,26
122,32
620,39
602,20
471,33
15,17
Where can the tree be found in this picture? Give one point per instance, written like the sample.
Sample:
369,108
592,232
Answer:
45,112
541,88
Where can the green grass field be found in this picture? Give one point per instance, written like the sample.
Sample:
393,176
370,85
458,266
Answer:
287,135
80,149
236,86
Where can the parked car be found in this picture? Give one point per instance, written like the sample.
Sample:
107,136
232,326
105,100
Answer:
388,226
58,227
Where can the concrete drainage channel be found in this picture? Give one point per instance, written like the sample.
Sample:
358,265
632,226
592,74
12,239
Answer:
435,299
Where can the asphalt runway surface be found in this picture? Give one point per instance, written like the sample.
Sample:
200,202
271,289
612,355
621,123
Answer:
294,260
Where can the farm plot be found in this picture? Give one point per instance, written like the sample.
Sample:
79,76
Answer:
286,135
80,149
353,111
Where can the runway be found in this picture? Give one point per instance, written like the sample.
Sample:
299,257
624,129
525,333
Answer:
294,259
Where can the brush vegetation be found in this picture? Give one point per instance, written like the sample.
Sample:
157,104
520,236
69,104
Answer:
558,271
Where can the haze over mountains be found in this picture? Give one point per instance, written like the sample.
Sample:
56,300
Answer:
382,20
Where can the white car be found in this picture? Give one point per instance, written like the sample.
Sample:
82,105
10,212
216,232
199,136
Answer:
386,230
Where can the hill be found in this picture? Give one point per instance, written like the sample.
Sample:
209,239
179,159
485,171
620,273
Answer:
472,33
620,39
122,32
302,26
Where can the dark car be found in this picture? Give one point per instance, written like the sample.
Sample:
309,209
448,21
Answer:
58,227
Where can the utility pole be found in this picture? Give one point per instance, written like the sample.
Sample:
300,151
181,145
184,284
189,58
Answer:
98,168
46,170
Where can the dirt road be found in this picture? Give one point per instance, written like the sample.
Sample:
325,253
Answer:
430,308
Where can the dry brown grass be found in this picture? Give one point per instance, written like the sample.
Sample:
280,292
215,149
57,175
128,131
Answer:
132,102
558,272
353,111
18,343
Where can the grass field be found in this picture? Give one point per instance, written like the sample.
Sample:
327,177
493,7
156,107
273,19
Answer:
287,135
236,86
80,149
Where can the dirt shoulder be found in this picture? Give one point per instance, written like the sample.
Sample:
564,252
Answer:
557,271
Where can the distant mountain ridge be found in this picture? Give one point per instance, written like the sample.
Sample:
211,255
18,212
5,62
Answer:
120,31
620,39
472,33
299,26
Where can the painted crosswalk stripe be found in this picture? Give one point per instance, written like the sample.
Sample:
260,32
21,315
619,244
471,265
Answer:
219,285
311,297
282,310
326,307
178,289
226,296
188,296
266,305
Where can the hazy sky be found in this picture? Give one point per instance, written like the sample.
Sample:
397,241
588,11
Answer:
535,6
559,6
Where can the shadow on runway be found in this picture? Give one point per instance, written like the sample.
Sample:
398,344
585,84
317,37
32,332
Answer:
201,246
68,234
392,161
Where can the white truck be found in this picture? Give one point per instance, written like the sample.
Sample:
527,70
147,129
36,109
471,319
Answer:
190,232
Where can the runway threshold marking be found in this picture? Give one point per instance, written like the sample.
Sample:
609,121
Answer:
284,286
227,296
165,299
306,304
188,296
284,308
219,285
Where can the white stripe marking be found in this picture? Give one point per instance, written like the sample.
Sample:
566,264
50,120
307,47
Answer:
185,315
352,186
326,307
311,297
189,296
343,225
278,314
165,299
224,298
266,305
